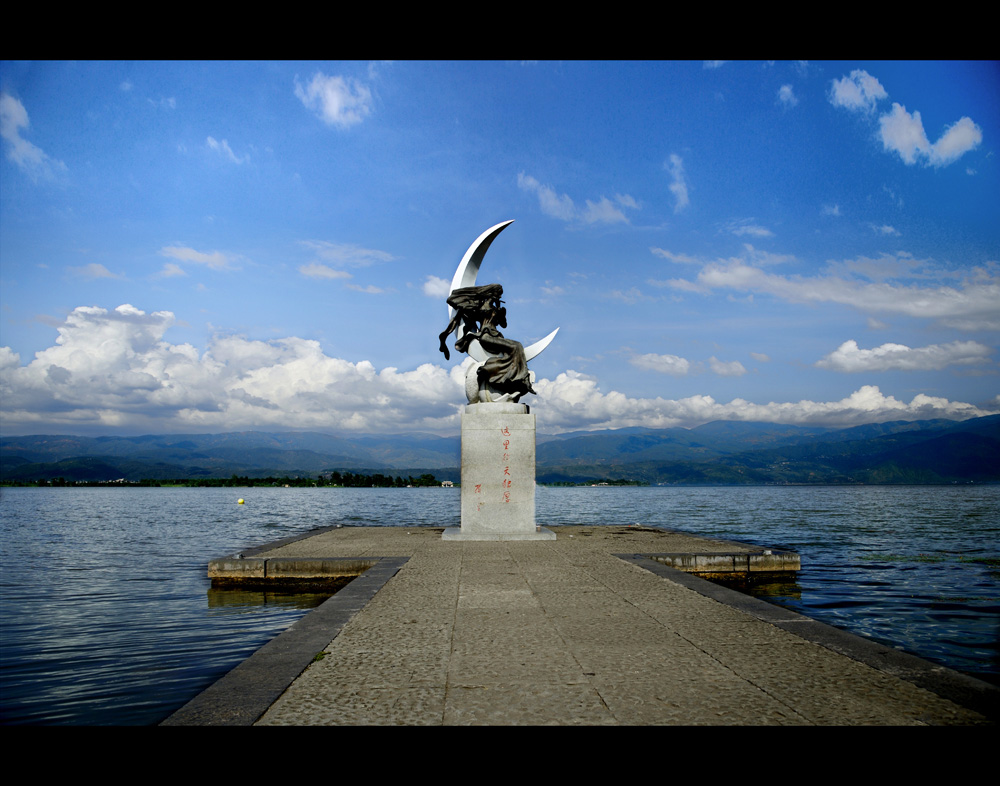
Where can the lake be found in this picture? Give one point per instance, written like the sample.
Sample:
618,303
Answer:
108,617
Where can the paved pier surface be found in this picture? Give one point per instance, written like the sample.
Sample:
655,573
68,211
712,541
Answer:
579,630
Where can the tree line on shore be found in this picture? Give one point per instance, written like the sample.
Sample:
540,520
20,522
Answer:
335,479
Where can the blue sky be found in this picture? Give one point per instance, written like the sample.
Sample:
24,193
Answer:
207,247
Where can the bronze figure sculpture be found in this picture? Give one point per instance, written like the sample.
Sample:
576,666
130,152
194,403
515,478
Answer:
500,371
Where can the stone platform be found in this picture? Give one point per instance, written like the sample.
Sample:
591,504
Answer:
581,630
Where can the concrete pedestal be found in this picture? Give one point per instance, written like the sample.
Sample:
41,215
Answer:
498,475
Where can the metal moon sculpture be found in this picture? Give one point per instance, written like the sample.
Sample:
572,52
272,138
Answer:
478,386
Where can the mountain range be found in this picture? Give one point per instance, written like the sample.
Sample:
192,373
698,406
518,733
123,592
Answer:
722,452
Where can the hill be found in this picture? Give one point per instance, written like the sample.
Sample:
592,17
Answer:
930,451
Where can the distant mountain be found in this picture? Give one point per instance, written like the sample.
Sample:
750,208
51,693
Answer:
935,451
928,451
251,453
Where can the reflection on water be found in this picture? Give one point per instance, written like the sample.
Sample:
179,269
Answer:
236,599
108,617
771,589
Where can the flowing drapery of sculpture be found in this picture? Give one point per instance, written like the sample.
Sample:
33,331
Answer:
500,371
478,314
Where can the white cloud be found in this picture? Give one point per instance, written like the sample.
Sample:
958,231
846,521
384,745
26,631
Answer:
974,304
678,186
712,64
337,101
316,270
573,401
787,96
904,134
551,204
885,229
732,369
684,259
831,210
436,287
113,369
849,357
93,270
665,364
217,260
29,157
629,296
604,211
956,141
858,92
171,270
760,357
745,226
223,149
347,253
371,289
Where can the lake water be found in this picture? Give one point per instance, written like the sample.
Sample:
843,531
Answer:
108,617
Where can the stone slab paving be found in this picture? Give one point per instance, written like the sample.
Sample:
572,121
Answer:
565,632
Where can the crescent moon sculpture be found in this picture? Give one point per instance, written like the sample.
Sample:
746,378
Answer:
465,277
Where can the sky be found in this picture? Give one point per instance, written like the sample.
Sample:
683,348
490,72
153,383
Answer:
202,247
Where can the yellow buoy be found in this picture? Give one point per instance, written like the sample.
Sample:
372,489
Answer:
239,502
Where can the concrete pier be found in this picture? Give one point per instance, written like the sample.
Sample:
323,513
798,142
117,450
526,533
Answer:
586,629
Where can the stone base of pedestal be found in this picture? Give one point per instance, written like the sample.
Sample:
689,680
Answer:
498,475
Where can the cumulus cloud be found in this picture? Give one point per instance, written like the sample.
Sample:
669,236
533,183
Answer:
859,92
678,186
665,364
901,132
849,357
904,134
787,96
338,101
603,211
114,369
731,369
573,401
29,157
436,287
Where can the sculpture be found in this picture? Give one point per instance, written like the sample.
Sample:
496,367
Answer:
500,372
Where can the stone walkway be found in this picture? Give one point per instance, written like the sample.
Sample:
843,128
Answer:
566,632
